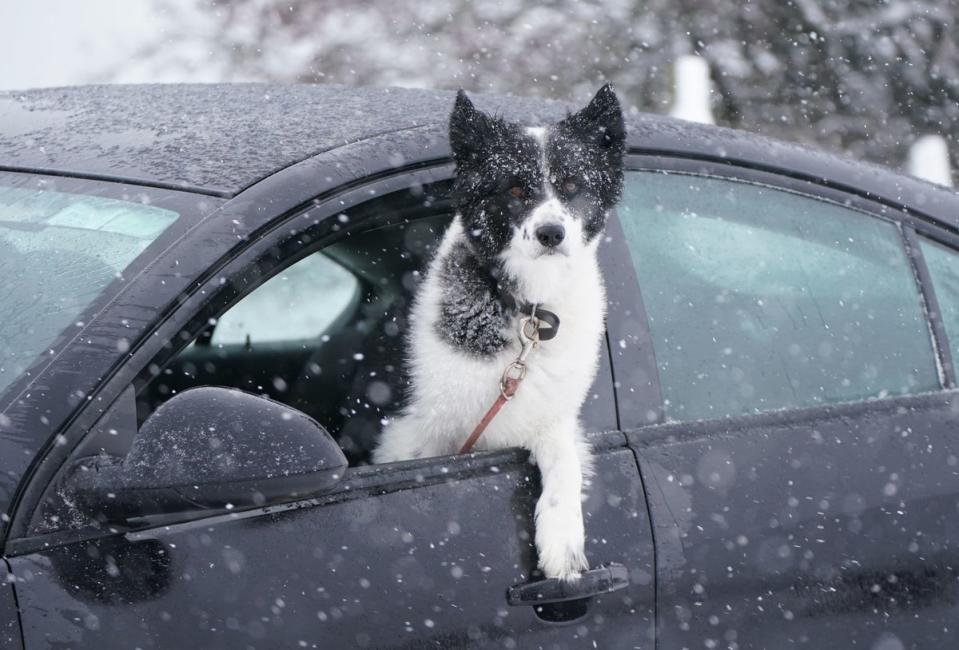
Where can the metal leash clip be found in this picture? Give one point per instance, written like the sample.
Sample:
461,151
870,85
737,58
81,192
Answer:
528,336
516,371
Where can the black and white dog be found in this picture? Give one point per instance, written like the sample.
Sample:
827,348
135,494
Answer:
531,205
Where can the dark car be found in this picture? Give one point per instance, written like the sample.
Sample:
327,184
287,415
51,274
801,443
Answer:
774,421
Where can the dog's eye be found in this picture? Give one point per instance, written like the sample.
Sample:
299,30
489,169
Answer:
517,191
570,186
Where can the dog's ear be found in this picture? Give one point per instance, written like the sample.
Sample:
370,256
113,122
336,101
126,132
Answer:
601,121
469,129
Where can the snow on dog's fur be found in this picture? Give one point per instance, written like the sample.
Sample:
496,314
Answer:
531,204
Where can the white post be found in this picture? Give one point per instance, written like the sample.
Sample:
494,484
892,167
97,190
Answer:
929,159
691,90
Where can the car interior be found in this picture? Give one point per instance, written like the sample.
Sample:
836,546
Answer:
348,373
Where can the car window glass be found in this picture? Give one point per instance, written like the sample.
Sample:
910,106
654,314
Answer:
58,253
943,264
761,299
299,303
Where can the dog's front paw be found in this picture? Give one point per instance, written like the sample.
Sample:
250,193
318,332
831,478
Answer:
560,541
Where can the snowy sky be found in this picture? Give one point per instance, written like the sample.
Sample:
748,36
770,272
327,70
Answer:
66,42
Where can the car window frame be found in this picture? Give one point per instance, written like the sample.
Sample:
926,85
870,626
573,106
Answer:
950,240
191,316
908,225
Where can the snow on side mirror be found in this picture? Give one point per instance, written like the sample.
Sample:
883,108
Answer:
212,448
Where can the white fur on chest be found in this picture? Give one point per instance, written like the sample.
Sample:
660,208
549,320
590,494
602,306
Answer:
452,390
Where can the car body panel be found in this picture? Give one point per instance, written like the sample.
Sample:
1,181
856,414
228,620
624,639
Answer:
832,527
423,556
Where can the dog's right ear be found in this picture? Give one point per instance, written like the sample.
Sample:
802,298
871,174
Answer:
469,129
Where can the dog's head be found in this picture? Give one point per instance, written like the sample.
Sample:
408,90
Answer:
534,200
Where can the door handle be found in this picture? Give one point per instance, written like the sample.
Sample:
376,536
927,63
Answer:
595,582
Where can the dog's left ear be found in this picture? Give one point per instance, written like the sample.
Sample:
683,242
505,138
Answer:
602,119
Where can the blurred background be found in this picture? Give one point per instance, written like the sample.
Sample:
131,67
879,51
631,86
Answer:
877,80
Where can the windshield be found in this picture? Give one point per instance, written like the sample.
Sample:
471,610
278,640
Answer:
58,252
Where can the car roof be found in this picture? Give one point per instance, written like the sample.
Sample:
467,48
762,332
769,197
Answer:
220,139
214,138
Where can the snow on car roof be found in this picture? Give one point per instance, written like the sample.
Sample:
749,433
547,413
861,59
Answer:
222,138
219,138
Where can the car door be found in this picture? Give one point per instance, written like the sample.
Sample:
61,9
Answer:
802,474
413,554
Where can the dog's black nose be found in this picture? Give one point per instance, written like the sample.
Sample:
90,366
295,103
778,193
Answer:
550,235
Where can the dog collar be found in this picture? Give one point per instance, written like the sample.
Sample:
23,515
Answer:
530,309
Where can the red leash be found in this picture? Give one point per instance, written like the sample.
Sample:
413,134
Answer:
506,393
512,376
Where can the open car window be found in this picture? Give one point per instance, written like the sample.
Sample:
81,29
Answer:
324,335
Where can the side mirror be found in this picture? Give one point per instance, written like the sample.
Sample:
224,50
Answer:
212,448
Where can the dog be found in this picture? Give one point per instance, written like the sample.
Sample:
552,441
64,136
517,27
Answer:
531,207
